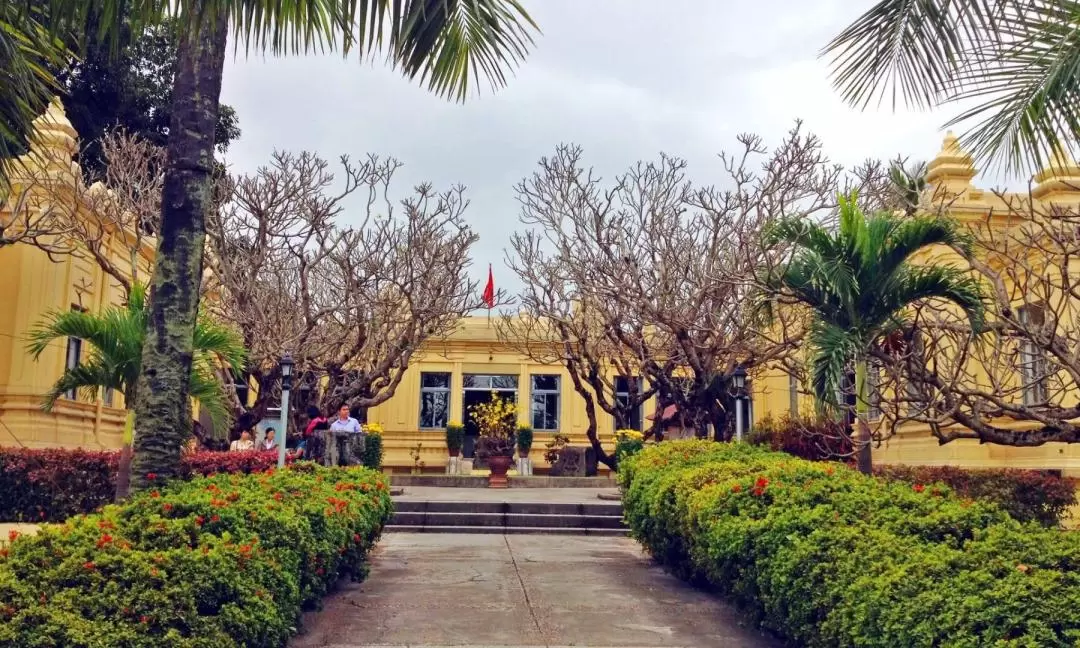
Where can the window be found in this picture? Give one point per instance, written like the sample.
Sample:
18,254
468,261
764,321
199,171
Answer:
74,354
545,402
434,400
109,397
873,389
1033,365
625,387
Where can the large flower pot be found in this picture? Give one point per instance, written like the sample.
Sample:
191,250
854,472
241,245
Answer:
499,465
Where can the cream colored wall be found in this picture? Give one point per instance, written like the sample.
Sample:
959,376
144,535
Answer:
31,285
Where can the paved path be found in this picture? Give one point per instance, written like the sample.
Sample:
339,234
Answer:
428,590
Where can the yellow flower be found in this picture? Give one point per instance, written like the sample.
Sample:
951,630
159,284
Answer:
373,428
628,435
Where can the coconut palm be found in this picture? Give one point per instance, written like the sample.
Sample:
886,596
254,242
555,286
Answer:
448,44
115,337
1017,61
858,281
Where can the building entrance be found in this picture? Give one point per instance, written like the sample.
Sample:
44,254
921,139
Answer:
478,389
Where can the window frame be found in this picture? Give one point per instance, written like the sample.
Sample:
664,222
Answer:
545,394
1034,366
445,391
640,410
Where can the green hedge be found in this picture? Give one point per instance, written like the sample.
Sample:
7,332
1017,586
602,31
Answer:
229,560
825,556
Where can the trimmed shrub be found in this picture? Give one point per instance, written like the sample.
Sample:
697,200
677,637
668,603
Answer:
825,556
373,447
815,439
1028,495
54,484
223,561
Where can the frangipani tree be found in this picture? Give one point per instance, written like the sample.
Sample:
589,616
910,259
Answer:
449,45
859,281
115,337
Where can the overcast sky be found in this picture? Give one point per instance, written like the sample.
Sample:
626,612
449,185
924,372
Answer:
625,79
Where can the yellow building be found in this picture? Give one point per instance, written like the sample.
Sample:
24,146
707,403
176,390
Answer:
445,377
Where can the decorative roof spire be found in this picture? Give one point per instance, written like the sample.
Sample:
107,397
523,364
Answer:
1061,176
55,133
953,168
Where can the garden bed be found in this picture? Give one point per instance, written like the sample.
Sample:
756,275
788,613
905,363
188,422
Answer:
223,561
825,556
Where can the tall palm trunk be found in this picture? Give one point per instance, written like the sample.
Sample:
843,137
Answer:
863,458
163,409
123,473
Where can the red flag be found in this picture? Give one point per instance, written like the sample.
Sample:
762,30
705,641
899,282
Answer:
489,290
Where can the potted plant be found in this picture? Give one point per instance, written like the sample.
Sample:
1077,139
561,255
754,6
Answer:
524,440
495,420
455,438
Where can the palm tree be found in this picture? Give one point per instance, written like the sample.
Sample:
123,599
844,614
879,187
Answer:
1018,60
448,44
115,337
859,282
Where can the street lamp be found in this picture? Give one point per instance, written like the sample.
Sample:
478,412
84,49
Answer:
286,384
738,380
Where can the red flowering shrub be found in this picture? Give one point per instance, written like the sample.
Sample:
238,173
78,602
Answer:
825,556
213,562
52,485
820,439
1028,495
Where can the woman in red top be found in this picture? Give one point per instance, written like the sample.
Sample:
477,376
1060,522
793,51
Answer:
316,421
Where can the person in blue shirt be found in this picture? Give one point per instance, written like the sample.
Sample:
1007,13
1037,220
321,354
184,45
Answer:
348,438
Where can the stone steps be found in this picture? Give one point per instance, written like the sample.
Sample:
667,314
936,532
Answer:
599,518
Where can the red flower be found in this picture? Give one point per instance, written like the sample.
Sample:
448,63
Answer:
761,483
736,488
918,488
144,619
89,565
215,518
104,540
356,537
151,476
167,507
12,535
155,494
278,496
199,521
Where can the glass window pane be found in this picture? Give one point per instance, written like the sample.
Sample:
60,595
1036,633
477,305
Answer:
504,382
551,417
545,383
434,407
537,415
435,380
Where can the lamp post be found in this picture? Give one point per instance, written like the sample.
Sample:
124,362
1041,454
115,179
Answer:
738,379
286,384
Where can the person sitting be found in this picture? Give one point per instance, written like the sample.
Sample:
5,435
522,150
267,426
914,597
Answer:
268,442
243,444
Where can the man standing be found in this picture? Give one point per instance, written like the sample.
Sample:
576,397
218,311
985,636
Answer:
345,429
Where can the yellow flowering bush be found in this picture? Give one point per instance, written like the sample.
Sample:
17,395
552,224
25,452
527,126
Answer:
496,420
627,443
373,428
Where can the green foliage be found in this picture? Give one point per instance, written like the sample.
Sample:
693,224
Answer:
524,439
455,437
858,281
115,337
627,444
129,89
373,451
825,556
216,562
1012,62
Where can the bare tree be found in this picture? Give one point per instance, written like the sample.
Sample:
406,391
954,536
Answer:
660,274
351,303
1015,382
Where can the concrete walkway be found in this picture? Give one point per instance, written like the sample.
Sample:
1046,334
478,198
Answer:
428,590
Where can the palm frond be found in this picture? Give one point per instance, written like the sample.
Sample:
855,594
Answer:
833,351
207,389
910,235
86,377
1030,115
59,325
920,283
220,342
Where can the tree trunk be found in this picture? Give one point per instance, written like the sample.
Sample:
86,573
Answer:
163,408
123,473
863,458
